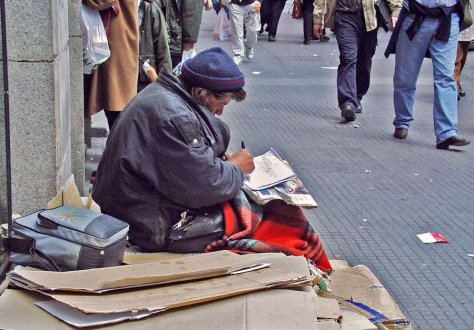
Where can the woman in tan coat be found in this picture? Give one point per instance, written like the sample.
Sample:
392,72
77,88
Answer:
114,83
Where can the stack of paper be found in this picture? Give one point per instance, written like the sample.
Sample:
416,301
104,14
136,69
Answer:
273,178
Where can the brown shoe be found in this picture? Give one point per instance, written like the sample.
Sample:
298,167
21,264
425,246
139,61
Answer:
453,141
400,133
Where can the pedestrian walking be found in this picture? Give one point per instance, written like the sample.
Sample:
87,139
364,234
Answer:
355,24
114,83
153,45
184,20
427,27
464,42
243,13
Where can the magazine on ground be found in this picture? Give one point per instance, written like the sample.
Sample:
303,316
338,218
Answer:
273,179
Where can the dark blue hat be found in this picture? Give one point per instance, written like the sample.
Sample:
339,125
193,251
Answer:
213,69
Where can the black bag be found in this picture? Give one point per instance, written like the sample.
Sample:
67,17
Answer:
196,231
67,238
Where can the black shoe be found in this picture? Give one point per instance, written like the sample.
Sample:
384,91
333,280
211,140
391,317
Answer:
461,92
453,141
358,108
271,38
400,133
307,42
348,112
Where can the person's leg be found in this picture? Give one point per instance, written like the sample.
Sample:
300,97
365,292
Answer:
277,8
464,45
346,27
252,25
112,117
308,8
457,65
237,14
408,59
366,51
445,107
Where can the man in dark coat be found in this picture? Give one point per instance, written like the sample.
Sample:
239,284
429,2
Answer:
167,152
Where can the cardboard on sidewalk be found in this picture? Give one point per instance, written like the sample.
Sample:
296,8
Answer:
116,306
159,272
360,285
272,309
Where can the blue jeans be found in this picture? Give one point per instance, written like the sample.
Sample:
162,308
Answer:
408,60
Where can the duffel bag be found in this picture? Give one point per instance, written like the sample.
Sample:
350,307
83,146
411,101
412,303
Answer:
67,238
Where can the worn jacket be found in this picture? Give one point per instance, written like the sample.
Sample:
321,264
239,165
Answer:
163,157
114,83
325,10
184,20
153,40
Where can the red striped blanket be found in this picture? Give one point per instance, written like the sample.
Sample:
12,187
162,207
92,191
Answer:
274,227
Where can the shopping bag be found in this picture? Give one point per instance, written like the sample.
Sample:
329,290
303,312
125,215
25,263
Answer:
95,45
222,28
187,55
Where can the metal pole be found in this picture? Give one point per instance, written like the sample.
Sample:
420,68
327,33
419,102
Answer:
7,114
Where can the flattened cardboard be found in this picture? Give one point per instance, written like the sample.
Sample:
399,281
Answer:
272,309
327,308
360,284
178,295
159,272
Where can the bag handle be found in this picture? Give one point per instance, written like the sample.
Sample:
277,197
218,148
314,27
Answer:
27,245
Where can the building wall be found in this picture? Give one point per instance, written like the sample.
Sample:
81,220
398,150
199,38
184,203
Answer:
45,99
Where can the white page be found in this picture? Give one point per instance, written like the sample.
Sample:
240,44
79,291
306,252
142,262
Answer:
269,171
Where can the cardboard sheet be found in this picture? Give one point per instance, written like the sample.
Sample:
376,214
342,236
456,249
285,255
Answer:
178,295
128,276
272,309
360,284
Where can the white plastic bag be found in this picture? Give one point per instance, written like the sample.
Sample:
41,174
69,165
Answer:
222,28
187,55
95,45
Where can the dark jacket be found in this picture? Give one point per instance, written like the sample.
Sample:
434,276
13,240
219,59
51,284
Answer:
163,157
405,12
153,40
184,20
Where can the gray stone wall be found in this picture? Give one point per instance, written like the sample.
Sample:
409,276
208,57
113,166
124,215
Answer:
77,94
44,117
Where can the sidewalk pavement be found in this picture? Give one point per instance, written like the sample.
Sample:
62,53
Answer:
375,193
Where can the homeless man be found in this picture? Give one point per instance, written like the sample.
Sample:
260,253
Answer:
166,153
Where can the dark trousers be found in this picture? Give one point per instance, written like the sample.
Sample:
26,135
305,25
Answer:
270,14
356,49
308,8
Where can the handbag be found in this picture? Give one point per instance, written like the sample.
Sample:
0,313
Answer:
67,238
94,38
297,9
196,231
467,18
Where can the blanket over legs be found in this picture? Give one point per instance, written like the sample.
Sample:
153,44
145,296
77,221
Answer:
273,227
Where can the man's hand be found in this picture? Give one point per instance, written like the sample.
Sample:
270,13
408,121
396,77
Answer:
394,20
317,30
243,159
258,5
188,45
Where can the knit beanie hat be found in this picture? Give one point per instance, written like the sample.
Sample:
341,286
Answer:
213,69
